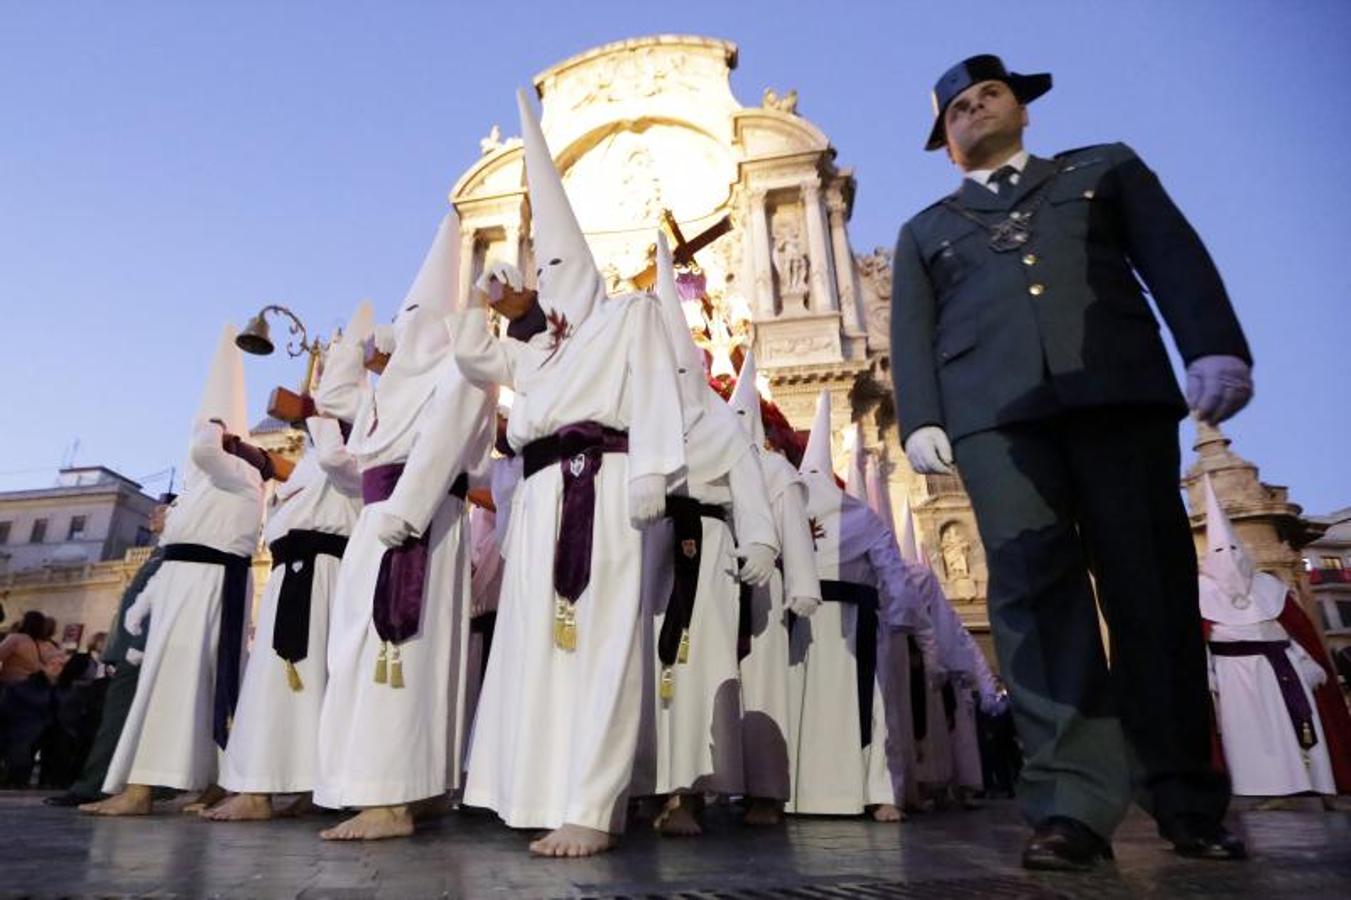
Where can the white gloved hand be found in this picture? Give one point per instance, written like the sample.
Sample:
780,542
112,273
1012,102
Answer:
647,499
803,606
929,451
392,531
1310,671
383,338
136,613
503,272
757,563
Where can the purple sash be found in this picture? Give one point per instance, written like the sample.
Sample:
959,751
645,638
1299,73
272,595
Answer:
396,608
579,448
1292,688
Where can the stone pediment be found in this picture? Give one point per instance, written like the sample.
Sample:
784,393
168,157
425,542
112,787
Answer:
769,133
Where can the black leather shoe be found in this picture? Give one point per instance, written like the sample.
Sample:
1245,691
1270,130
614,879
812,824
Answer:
1198,839
69,799
1062,844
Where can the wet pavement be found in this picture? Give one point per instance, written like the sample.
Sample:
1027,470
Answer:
49,852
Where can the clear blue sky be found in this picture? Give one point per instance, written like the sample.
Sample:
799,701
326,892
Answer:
166,167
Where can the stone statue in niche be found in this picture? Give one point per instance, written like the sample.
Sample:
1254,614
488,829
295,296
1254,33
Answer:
874,271
790,263
956,552
787,103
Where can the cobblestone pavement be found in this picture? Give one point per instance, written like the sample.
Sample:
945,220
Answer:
45,851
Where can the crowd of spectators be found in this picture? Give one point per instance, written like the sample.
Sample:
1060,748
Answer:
50,703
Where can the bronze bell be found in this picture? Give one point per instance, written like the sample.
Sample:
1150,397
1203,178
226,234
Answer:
255,338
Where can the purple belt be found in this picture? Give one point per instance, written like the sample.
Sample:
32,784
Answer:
1292,688
396,608
579,448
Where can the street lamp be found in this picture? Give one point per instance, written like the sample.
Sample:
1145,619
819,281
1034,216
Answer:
256,339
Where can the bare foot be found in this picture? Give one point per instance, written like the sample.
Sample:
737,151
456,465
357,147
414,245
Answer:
1273,804
203,801
678,818
430,807
240,808
134,801
373,824
887,812
300,806
573,841
761,811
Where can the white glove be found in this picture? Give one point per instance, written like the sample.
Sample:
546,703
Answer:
1310,671
757,563
503,272
803,606
393,531
647,499
929,451
383,337
137,612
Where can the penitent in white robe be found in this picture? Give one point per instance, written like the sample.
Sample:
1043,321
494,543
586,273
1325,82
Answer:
695,743
380,745
1260,749
835,771
556,731
273,747
167,739
766,718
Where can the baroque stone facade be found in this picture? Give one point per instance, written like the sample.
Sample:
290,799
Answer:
650,124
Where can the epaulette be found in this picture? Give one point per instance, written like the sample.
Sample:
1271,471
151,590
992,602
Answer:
1065,153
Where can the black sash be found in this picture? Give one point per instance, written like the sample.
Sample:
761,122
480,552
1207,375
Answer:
296,550
864,598
919,697
230,633
686,515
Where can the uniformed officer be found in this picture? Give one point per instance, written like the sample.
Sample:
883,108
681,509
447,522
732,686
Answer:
1023,350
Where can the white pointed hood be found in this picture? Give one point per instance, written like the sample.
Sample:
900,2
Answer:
1232,591
714,439
816,459
879,492
224,397
745,400
422,331
568,281
909,541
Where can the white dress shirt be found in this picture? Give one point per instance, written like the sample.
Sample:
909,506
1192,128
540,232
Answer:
982,176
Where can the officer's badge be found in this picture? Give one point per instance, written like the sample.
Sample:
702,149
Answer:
577,464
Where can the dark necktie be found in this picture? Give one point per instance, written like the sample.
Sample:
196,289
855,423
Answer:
1001,178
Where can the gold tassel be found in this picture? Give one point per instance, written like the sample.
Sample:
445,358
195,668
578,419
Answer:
683,654
381,672
293,677
570,628
396,669
667,690
560,614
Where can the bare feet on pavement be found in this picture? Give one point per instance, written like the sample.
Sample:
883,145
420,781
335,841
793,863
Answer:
134,801
240,808
678,819
887,812
203,801
372,824
572,841
761,811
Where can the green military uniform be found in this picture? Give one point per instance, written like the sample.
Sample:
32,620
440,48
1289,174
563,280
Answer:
1020,327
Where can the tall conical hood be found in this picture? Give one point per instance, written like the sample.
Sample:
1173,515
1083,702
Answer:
745,400
908,540
360,326
1233,591
816,459
879,492
224,397
422,332
689,359
569,282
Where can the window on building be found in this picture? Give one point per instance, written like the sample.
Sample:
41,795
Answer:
1333,563
39,532
4,532
1343,610
76,532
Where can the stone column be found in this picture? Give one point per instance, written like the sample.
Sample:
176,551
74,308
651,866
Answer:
513,244
763,265
845,275
818,251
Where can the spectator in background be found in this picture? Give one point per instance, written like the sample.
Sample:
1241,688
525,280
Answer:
27,714
25,650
